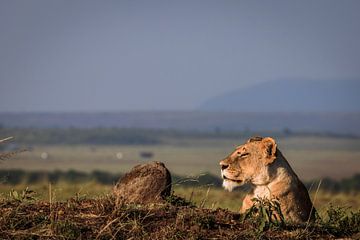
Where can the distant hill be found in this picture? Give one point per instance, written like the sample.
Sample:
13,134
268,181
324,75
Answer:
290,96
341,123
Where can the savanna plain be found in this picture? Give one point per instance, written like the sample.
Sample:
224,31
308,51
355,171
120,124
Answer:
314,158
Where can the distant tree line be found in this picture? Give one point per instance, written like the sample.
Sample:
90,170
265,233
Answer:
14,177
81,136
132,136
331,185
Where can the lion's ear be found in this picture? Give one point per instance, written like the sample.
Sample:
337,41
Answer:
270,147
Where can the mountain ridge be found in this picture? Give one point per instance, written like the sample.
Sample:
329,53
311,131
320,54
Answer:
290,96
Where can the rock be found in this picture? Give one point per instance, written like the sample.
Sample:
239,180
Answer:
145,183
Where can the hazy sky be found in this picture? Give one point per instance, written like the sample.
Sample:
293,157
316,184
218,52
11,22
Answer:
166,55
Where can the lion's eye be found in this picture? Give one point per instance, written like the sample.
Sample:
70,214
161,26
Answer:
242,154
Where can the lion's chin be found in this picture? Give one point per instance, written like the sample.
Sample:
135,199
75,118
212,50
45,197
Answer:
230,185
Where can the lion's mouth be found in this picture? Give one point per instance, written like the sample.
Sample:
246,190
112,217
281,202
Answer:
226,178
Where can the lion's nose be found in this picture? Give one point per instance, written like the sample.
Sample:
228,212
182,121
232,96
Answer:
224,166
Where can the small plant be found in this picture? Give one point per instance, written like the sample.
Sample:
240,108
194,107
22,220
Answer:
207,222
178,201
25,195
68,230
340,221
266,214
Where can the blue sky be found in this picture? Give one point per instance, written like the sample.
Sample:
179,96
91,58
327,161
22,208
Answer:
166,55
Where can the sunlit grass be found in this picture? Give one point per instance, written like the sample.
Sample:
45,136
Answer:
60,191
202,196
217,197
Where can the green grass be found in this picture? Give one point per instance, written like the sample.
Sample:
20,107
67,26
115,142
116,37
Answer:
217,197
203,196
60,191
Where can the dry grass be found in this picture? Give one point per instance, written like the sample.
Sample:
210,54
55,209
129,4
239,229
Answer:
211,198
99,219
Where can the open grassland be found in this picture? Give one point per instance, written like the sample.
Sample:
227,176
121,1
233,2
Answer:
202,196
85,210
24,217
310,157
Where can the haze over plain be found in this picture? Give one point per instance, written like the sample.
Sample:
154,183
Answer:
92,56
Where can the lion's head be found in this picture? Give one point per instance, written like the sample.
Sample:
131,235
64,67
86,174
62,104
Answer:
249,163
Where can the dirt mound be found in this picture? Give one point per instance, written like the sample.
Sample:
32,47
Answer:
102,219
146,183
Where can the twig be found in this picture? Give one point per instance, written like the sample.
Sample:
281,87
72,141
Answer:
5,139
106,226
206,196
312,207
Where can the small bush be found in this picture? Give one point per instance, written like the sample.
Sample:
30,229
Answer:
25,195
178,201
266,214
340,221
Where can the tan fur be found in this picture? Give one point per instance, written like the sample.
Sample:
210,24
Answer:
261,164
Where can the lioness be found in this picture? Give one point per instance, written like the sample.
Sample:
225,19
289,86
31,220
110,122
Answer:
261,164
